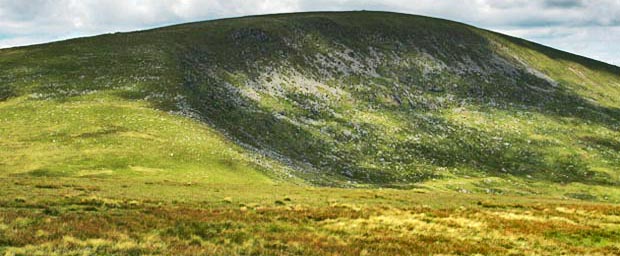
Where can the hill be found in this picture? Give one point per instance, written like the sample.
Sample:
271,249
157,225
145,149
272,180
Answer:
262,109
372,98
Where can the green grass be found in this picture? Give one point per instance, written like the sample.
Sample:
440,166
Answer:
357,133
102,136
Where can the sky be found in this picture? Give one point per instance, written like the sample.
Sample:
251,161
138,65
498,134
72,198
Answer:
586,27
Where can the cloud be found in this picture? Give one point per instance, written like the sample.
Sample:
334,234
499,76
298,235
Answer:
564,3
586,27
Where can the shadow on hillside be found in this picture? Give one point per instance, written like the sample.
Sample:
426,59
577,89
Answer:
453,44
249,50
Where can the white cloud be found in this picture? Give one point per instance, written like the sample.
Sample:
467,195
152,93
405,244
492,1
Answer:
586,27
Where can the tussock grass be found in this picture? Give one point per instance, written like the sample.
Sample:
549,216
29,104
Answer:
326,221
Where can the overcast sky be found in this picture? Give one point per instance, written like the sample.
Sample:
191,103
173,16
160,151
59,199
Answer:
586,27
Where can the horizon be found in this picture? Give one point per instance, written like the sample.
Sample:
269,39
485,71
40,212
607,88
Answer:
285,13
579,27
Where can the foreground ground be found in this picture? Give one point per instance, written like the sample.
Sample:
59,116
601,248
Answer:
85,216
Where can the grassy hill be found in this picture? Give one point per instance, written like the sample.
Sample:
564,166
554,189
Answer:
241,126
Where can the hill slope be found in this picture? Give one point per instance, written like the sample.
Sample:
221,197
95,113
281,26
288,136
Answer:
359,97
